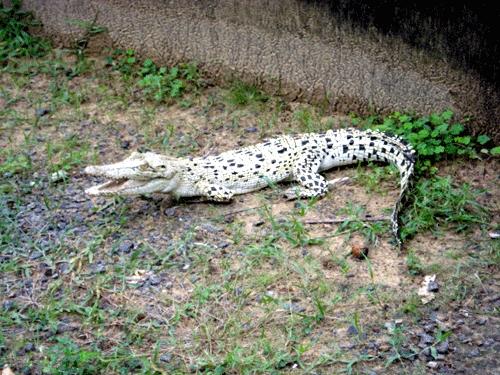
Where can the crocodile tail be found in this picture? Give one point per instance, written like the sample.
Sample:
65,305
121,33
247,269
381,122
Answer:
377,146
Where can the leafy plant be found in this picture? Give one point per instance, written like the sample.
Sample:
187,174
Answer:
242,94
435,201
15,39
434,137
413,263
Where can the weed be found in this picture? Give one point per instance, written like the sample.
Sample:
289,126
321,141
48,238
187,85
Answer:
434,138
242,94
436,203
413,263
15,39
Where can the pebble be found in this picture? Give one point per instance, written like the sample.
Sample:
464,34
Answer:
40,112
251,129
154,280
210,228
125,144
29,347
126,246
352,331
433,286
7,305
474,353
443,347
293,307
166,357
482,321
426,339
99,267
170,212
432,364
60,175
35,255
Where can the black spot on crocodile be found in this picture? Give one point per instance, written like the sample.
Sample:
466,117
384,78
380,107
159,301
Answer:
273,161
354,157
330,145
239,166
283,150
351,142
345,149
328,139
258,155
258,166
224,167
349,136
302,178
372,144
362,147
391,150
372,138
304,142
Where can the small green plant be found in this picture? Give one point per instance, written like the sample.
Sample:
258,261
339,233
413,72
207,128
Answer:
161,83
437,202
413,263
434,137
15,39
123,61
242,94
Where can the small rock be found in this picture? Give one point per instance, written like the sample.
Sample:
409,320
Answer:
29,347
425,340
125,144
210,228
251,129
166,357
432,364
154,280
433,286
482,321
352,331
293,307
474,353
99,267
170,212
429,328
35,255
40,112
126,246
443,347
7,305
60,175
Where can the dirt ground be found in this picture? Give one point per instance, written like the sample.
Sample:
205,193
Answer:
154,285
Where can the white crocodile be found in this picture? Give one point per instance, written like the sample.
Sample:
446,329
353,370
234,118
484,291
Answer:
300,158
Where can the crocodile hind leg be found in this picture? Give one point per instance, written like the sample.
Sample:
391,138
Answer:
311,183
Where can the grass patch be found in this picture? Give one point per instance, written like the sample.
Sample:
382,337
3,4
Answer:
243,94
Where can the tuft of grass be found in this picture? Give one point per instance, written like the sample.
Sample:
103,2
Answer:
437,204
15,39
243,94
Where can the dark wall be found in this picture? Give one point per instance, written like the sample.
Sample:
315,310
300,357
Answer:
466,33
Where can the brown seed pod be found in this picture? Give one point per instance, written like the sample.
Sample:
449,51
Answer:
359,248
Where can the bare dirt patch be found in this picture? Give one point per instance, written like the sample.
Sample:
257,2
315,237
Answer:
189,286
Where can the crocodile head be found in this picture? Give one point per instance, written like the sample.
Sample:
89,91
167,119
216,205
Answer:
140,173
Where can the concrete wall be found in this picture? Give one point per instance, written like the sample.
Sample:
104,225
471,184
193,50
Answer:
296,48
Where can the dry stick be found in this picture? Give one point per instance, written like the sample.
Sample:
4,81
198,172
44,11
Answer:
341,219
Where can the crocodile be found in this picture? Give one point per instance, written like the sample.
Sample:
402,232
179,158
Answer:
297,158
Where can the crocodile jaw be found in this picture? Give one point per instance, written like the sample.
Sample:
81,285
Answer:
123,186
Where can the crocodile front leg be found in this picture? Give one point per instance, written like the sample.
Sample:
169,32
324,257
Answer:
214,192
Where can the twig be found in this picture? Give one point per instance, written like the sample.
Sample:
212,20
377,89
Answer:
341,219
